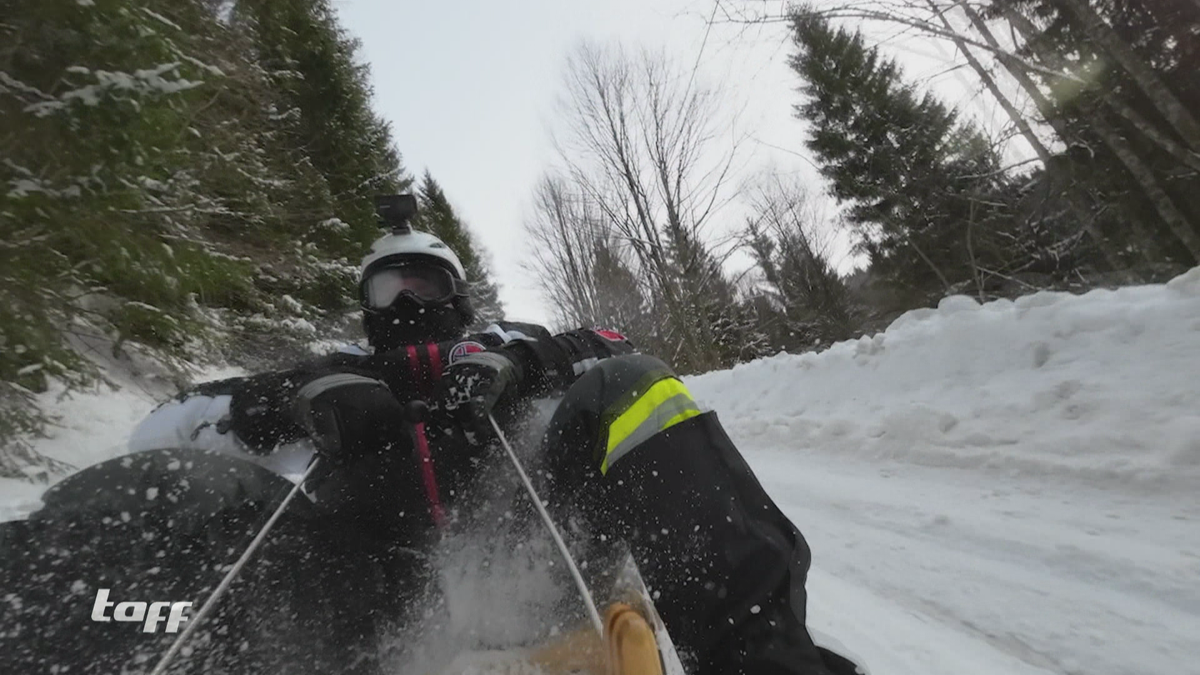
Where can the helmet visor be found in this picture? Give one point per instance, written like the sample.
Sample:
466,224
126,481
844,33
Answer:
427,283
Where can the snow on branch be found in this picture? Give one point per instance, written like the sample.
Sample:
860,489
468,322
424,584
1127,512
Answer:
140,82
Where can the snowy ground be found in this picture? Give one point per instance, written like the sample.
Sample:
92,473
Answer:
1012,488
93,425
940,570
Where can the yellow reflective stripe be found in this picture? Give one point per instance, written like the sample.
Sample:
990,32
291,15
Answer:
665,404
641,410
681,417
678,406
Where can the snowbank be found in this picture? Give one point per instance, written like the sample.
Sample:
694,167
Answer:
1103,386
93,426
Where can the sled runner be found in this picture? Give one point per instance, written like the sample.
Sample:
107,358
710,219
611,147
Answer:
635,641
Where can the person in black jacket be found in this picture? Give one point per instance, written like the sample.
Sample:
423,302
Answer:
630,454
350,407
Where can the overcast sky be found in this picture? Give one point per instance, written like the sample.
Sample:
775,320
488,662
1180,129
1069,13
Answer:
470,89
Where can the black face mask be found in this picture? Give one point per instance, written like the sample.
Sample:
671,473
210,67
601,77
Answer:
406,322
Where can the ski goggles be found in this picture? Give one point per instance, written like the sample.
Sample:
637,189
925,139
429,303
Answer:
426,283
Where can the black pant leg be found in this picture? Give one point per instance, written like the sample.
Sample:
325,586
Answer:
726,567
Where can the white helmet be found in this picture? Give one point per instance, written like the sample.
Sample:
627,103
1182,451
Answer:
412,287
399,246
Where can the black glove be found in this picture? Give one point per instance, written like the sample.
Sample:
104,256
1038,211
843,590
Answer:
363,437
350,416
260,408
472,388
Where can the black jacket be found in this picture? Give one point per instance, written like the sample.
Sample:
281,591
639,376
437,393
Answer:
261,404
259,410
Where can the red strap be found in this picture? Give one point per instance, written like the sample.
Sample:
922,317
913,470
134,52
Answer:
431,489
423,455
435,361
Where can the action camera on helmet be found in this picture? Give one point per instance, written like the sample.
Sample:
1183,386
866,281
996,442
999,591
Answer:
412,287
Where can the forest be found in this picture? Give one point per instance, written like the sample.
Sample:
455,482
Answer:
1101,98
184,181
191,181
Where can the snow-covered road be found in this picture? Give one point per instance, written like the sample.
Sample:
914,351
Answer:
928,570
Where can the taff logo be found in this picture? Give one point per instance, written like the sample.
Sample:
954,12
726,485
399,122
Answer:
137,611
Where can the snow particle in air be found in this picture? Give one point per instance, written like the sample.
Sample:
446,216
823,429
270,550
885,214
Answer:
755,609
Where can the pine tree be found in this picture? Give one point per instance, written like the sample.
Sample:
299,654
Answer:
172,169
912,173
311,63
437,216
808,303
1125,104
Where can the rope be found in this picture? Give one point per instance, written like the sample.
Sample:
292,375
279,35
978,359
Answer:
549,522
227,581
211,602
